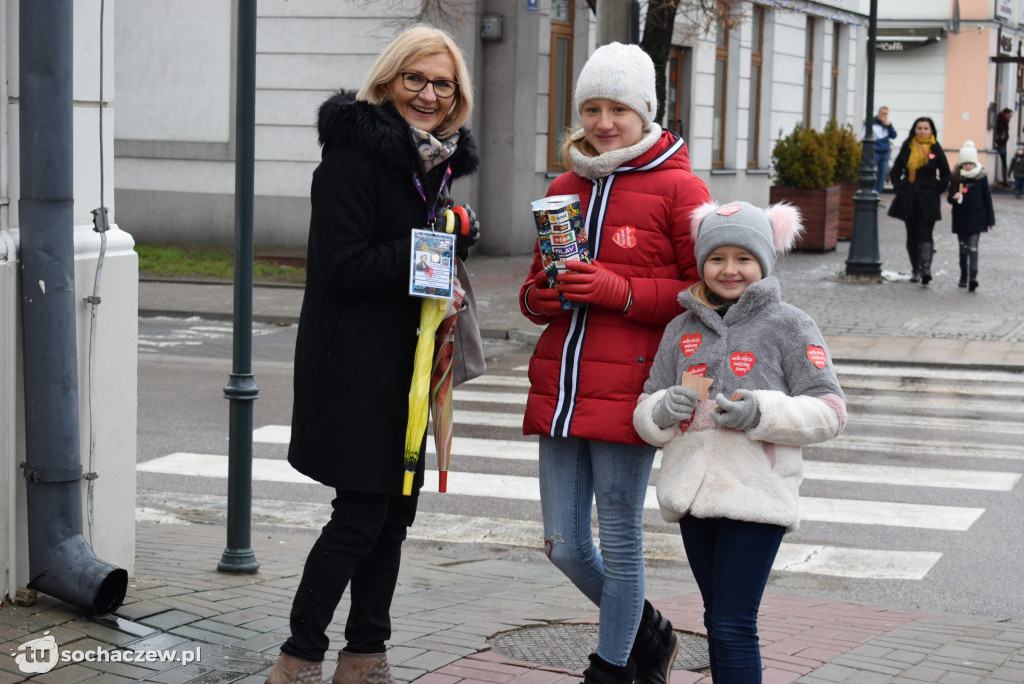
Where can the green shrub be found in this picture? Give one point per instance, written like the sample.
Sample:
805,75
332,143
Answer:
846,151
802,160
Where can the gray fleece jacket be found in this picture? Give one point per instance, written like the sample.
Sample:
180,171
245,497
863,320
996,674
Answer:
762,346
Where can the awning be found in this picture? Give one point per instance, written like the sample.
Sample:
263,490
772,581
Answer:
904,39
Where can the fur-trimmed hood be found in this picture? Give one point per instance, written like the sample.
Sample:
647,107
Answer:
385,133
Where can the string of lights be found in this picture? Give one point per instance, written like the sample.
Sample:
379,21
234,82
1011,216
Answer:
817,10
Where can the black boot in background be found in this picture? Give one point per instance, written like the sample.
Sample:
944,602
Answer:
915,268
974,282
655,647
603,672
927,249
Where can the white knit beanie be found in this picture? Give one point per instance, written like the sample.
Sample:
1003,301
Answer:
968,153
621,73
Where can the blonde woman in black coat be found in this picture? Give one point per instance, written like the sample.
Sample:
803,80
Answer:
919,176
388,153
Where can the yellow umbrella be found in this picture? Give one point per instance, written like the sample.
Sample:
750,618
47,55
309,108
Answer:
431,314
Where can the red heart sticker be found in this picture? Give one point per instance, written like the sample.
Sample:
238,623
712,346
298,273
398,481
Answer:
817,355
689,343
728,210
625,237
931,155
741,362
700,370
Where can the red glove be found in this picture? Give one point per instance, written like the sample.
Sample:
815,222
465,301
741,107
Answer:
542,300
592,283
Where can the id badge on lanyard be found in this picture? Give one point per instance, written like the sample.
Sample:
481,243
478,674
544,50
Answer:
432,257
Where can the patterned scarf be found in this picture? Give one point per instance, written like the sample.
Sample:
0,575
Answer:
433,151
919,150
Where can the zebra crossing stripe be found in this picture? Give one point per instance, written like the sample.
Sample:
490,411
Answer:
171,508
524,488
526,450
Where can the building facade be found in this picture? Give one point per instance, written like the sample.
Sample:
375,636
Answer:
732,89
956,61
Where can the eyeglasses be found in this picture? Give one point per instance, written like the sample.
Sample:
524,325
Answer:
415,83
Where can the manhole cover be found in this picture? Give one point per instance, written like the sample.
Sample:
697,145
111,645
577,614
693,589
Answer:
567,647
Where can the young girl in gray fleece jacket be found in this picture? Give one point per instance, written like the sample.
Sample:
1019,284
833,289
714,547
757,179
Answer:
732,466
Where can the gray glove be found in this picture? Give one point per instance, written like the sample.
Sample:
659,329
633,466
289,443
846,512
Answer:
740,412
677,405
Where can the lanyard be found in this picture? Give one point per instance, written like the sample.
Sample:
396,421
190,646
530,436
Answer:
431,208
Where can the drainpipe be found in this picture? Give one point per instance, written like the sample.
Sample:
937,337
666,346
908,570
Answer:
61,562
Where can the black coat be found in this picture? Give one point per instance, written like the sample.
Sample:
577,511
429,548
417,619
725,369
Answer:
974,214
358,325
923,197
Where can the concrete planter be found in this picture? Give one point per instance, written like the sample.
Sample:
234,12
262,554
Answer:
820,210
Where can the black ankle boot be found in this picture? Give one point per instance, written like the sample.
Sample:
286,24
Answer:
603,672
655,647
973,285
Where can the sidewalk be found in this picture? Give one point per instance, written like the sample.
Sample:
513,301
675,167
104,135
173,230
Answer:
457,612
461,611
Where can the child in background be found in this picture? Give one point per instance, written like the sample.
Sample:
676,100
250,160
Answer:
972,210
732,466
1017,169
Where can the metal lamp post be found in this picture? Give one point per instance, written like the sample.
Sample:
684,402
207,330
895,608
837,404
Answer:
241,390
864,259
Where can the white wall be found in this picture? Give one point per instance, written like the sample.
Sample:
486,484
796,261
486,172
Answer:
114,387
912,84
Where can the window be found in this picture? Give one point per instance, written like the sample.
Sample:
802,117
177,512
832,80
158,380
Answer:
677,87
756,63
808,70
833,112
560,80
721,78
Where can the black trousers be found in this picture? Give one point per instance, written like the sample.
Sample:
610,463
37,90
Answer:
361,546
918,230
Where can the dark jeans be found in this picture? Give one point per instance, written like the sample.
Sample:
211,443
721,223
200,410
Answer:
881,168
968,253
361,545
730,560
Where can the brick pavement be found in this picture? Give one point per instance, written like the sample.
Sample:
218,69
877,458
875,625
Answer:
450,601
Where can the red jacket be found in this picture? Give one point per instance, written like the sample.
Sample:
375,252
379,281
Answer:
590,363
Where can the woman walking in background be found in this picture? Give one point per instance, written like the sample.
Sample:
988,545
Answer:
919,175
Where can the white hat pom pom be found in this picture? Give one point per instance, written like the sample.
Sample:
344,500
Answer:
787,224
698,215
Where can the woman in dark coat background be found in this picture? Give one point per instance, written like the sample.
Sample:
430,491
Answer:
388,153
919,176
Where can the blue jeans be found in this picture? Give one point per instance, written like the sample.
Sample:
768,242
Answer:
881,168
730,560
572,471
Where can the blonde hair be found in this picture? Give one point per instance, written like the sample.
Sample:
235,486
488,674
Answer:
703,294
421,41
583,145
